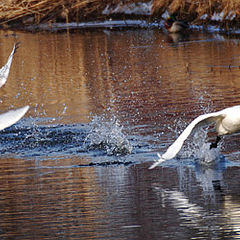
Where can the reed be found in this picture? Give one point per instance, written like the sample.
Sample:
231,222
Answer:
39,11
194,10
36,11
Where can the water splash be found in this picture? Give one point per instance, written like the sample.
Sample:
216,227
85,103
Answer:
107,135
198,148
39,139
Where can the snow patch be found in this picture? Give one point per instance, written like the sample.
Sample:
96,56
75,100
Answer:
165,15
231,15
204,16
94,24
139,8
217,16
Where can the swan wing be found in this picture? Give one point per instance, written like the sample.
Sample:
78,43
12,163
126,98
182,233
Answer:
4,71
177,145
160,160
9,118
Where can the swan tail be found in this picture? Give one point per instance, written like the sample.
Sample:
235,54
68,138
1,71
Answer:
160,160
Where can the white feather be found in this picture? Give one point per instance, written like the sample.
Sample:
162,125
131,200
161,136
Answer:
9,118
4,71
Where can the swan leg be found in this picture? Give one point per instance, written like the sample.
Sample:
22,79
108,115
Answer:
214,145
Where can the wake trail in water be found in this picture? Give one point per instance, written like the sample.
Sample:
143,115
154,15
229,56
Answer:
98,138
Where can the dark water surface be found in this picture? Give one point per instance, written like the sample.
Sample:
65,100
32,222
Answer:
103,103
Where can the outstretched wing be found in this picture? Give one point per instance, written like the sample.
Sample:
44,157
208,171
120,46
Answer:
160,160
4,71
177,145
9,118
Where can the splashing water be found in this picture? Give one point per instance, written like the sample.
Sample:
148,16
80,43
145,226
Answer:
197,145
107,135
199,149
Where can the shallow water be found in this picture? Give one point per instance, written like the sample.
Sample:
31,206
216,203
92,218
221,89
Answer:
103,103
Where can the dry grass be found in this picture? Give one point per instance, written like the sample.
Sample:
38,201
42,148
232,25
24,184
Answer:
193,10
38,11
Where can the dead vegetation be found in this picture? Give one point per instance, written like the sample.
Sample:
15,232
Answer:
25,12
195,10
37,11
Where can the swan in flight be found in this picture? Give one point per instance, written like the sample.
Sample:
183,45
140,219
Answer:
4,71
227,122
7,119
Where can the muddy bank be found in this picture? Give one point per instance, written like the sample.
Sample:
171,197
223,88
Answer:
25,13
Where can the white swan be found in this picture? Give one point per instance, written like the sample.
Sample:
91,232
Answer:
227,122
7,119
4,71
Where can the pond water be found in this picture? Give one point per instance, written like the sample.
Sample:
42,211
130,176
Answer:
103,103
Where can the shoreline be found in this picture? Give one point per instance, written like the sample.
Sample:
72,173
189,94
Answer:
118,24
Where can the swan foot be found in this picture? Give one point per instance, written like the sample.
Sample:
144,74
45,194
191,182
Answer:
214,145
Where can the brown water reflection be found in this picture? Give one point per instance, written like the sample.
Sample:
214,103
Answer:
154,86
93,70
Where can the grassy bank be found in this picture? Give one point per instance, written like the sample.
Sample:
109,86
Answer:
27,12
225,12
